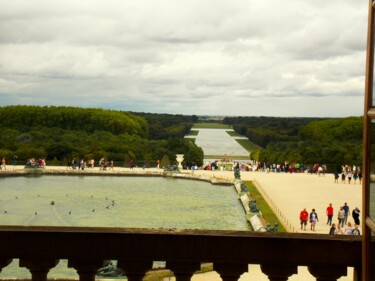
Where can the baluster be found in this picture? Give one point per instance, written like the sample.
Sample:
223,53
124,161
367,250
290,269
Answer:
328,273
86,269
278,272
38,268
135,269
183,270
230,271
4,262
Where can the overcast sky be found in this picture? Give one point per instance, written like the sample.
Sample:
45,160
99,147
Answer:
204,57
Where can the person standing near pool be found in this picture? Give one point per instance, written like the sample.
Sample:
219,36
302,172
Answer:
14,162
329,214
303,216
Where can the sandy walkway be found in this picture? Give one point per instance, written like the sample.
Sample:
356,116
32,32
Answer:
289,194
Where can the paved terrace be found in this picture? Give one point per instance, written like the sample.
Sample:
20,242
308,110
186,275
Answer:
289,193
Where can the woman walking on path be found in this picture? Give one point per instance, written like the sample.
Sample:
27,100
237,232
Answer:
349,177
313,219
341,216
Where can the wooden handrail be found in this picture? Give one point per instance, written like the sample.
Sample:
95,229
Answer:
40,248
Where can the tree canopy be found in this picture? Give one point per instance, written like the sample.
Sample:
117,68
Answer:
333,141
62,133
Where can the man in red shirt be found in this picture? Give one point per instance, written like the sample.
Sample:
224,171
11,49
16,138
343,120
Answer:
303,216
329,214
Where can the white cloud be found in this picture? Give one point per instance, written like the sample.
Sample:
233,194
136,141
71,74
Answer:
277,58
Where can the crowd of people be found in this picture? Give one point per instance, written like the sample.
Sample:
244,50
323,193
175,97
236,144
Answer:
349,174
343,225
81,164
33,163
287,167
103,164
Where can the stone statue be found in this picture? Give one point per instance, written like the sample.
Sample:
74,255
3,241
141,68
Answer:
253,206
109,270
243,187
173,168
237,172
272,229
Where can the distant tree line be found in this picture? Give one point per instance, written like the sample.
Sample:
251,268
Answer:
334,141
264,130
164,126
61,133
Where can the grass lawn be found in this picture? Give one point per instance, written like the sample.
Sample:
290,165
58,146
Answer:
268,214
228,167
248,145
229,157
233,134
210,126
193,133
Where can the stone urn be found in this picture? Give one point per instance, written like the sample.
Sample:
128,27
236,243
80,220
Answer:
180,158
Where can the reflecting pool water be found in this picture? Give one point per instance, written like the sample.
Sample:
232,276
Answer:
218,142
149,202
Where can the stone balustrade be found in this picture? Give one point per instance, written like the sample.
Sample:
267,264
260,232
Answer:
40,248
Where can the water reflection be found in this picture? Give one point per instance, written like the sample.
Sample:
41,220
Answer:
119,202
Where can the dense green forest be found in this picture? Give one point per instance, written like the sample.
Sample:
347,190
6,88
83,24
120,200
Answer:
303,140
61,133
264,130
163,126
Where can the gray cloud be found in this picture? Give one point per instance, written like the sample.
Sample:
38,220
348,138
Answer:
279,58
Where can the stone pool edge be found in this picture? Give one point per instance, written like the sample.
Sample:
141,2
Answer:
252,219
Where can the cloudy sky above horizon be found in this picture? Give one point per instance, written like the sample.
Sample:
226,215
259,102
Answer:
207,57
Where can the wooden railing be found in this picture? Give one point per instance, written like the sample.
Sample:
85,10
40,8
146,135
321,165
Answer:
40,248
